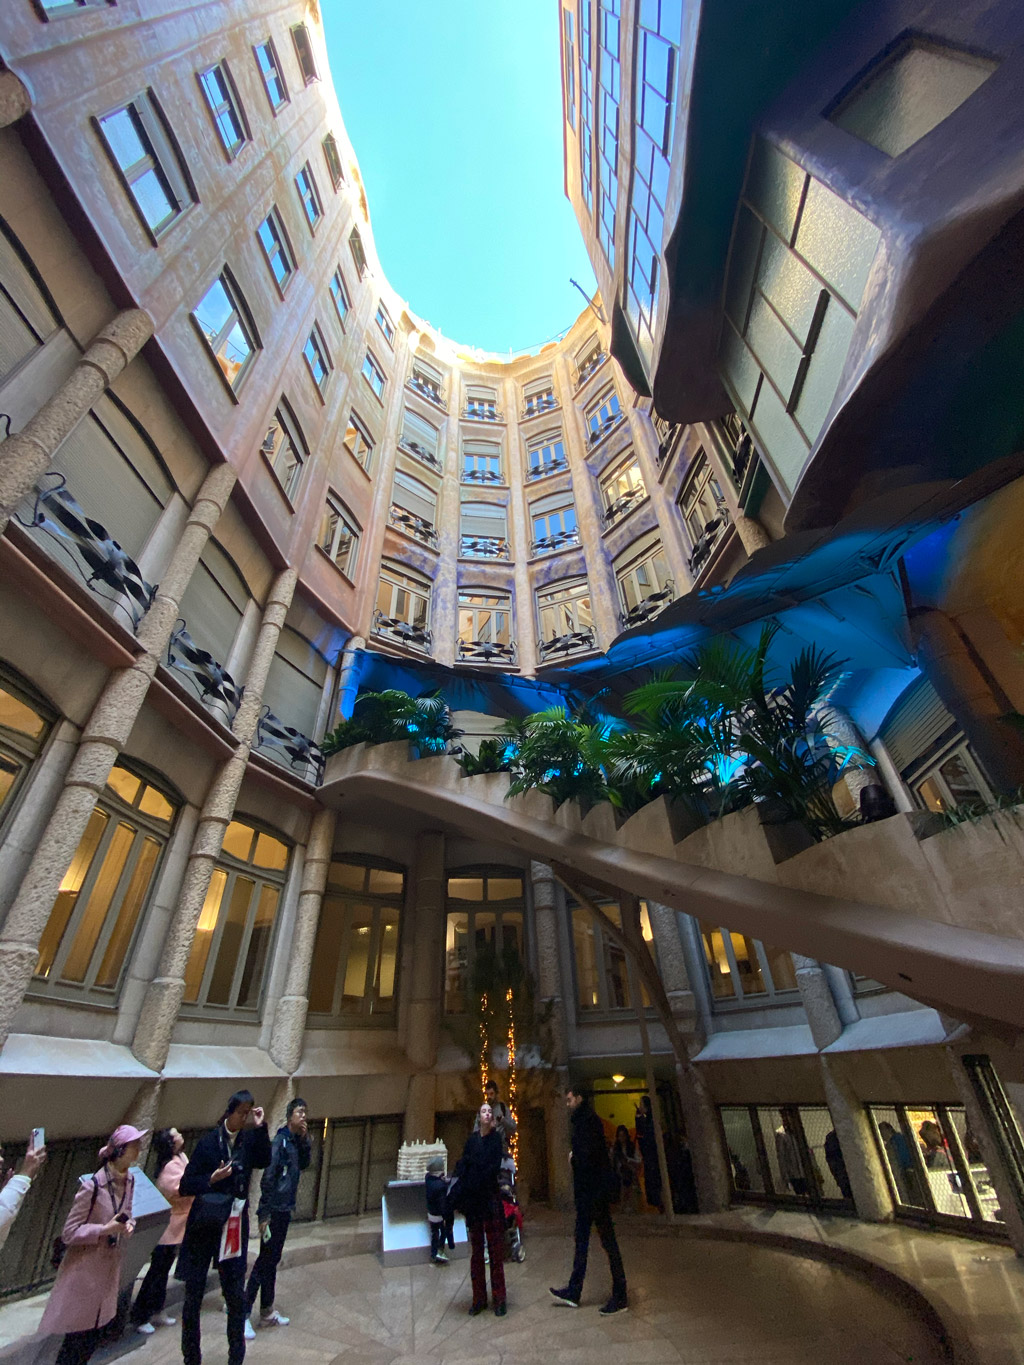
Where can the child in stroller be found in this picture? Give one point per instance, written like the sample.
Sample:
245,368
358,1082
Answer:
514,1249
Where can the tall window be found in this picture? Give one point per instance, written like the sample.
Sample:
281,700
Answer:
645,585
425,379
421,438
603,414
403,605
304,52
565,617
545,455
339,537
779,1154
602,978
588,358
569,58
98,908
704,510
24,725
355,957
485,919
231,949
358,441
270,69
385,324
276,247
538,397
481,404
339,295
333,158
741,968
483,530
285,450
355,243
485,626
142,148
609,81
554,523
374,375
225,108
622,489
414,507
225,324
586,105
312,207
481,462
318,359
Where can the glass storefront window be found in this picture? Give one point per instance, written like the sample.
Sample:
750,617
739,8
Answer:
785,1154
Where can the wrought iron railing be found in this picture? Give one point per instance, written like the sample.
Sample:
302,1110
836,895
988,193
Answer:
432,392
215,685
542,402
484,547
404,631
589,366
487,652
421,453
708,539
741,458
554,466
665,445
546,544
623,504
90,547
597,434
482,476
482,412
570,643
304,755
649,606
413,524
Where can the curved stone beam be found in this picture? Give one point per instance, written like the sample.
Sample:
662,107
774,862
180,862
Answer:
962,971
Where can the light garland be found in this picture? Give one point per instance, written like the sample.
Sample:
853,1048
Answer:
514,1140
485,1049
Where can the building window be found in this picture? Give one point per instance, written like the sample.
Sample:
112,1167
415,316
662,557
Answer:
339,536
310,197
586,106
414,508
304,53
934,1164
403,606
228,329
318,358
420,438
602,976
952,781
622,490
358,441
703,506
609,85
538,397
909,93
24,725
231,948
789,1154
565,618
481,462
374,375
285,450
225,108
427,381
545,455
645,584
59,9
340,296
86,942
355,243
554,523
273,77
333,158
485,922
481,404
483,530
142,149
589,358
741,968
355,958
602,416
385,324
485,627
569,58
276,248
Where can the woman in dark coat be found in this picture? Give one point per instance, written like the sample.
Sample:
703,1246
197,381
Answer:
477,1197
648,1144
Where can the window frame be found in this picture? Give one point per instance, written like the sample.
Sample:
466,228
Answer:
397,578
371,363
164,154
275,223
231,102
513,905
536,445
268,46
479,466
607,952
241,314
310,199
553,542
335,507
64,9
364,1015
308,77
362,431
336,286
384,323
332,156
355,245
772,995
599,427
565,593
500,605
316,342
619,505
643,552
288,424
17,748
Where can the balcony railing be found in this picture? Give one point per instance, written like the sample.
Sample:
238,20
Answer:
421,453
301,754
214,683
650,606
588,367
482,476
404,631
482,412
742,455
413,525
708,539
571,643
559,541
597,434
484,547
487,652
666,444
630,499
541,402
432,392
538,471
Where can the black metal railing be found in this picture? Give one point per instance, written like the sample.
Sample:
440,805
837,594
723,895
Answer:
541,402
482,412
623,504
546,544
482,476
404,631
432,392
569,643
304,756
421,453
649,606
93,551
413,524
555,466
484,547
487,652
665,445
741,458
708,539
588,367
215,685
597,434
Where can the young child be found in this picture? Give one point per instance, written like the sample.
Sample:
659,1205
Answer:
441,1221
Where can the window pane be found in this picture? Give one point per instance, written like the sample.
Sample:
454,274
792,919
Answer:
259,948
326,953
154,803
749,968
349,875
466,888
125,784
100,899
783,1146
204,935
238,840
980,1178
230,941
131,904
270,852
899,1156
586,960
741,1149
456,963
511,939
9,770
719,969
388,959
504,888
484,925
354,987
962,784
15,715
941,1174
68,893
780,968
155,204
385,882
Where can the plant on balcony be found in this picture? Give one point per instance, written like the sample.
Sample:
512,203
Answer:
560,753
493,756
382,717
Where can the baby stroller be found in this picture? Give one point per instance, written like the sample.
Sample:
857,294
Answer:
514,1249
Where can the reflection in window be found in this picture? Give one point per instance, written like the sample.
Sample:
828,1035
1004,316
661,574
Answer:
602,976
270,70
142,148
741,968
339,294
358,441
285,450
785,1154
485,916
225,108
355,958
274,242
219,317
338,537
309,195
586,106
231,947
24,725
934,1162
609,83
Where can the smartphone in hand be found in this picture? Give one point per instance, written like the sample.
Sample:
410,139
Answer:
38,1140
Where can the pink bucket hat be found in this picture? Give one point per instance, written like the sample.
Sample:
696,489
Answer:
120,1137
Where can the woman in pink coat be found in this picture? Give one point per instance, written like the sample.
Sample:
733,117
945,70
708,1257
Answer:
148,1308
84,1297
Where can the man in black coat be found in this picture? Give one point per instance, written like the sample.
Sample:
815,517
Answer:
591,1187
219,1171
290,1155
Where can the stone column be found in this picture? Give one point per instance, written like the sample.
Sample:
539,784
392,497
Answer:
27,454
843,733
751,532
28,821
15,101
290,1015
672,965
550,997
423,1003
163,998
103,738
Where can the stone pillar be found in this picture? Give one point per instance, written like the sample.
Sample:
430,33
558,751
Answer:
549,992
27,454
816,998
422,1024
15,101
971,693
752,533
290,1015
103,738
163,998
871,1196
843,733
672,965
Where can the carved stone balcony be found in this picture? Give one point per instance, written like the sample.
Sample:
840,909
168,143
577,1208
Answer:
413,525
391,627
559,541
649,607
618,509
431,392
538,471
487,652
484,547
421,453
573,642
301,754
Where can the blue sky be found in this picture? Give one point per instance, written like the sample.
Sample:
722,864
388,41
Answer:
455,113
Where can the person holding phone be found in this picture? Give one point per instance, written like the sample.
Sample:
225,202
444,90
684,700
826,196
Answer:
14,1185
148,1309
84,1297
217,1177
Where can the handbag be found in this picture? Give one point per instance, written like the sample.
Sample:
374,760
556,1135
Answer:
212,1210
59,1244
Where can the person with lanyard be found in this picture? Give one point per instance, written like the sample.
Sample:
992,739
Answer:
84,1297
217,1176
290,1154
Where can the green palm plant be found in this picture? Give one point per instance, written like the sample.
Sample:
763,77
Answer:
559,754
381,717
493,756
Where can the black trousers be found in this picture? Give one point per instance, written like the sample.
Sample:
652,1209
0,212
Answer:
595,1212
264,1273
77,1347
439,1233
152,1293
198,1250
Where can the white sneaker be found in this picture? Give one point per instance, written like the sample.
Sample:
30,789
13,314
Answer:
162,1320
250,1335
146,1328
274,1319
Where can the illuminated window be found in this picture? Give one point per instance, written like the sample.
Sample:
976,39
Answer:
24,725
485,626
740,968
231,948
355,958
485,923
622,489
565,616
270,70
227,328
141,146
225,108
602,976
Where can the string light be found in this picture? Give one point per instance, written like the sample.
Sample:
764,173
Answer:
485,1050
514,1141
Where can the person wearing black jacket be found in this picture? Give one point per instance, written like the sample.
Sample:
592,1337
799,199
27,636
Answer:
477,1197
591,1187
290,1155
220,1170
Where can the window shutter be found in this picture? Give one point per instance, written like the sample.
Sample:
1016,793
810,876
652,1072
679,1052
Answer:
482,519
213,604
415,497
914,724
415,428
106,486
